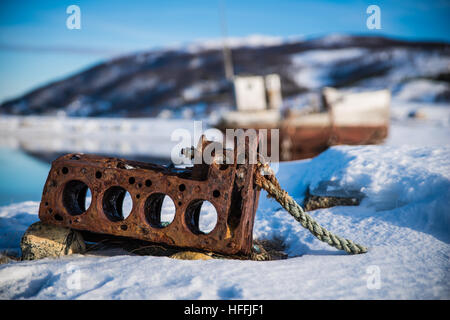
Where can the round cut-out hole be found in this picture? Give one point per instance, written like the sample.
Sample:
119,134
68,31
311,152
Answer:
117,204
76,197
148,183
201,216
159,210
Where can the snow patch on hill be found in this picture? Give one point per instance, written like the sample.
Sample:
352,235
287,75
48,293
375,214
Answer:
250,41
422,91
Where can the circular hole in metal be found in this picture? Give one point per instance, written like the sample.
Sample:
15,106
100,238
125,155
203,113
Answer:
216,193
181,187
76,197
131,180
201,216
65,170
148,183
117,204
159,210
98,174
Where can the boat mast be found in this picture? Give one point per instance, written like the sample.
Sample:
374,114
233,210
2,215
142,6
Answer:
227,58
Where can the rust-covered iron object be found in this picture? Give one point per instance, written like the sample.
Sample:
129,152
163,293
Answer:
229,187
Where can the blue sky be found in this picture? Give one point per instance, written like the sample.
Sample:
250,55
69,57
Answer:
36,47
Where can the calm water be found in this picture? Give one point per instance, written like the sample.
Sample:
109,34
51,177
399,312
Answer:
22,177
29,144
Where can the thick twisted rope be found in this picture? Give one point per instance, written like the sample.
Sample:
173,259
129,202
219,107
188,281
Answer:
265,179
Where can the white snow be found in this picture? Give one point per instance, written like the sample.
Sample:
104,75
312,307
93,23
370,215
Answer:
197,90
120,136
324,57
419,124
422,90
251,41
403,219
418,134
409,64
311,68
406,77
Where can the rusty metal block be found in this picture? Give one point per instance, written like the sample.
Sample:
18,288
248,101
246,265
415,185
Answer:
229,187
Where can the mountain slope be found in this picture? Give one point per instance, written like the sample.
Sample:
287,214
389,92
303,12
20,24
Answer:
144,83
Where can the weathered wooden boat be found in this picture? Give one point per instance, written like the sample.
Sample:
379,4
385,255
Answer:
351,118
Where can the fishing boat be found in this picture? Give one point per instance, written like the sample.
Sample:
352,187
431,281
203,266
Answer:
343,117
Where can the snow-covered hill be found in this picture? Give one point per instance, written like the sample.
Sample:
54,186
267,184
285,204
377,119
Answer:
403,218
189,80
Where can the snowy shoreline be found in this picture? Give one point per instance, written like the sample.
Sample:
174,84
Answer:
404,220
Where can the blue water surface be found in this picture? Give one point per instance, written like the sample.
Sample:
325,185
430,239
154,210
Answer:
22,177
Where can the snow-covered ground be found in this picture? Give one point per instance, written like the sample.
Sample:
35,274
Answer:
404,220
419,124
